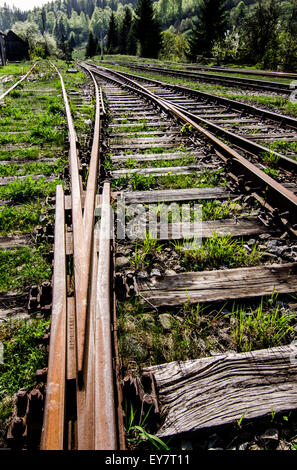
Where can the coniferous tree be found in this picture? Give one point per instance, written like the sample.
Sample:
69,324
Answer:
91,46
147,29
210,26
261,33
112,35
125,31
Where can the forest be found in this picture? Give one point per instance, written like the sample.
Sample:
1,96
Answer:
261,33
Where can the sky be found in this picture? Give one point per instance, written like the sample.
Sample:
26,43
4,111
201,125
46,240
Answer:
24,4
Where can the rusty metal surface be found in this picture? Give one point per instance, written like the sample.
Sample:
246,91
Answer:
81,348
276,193
18,82
54,413
105,419
79,249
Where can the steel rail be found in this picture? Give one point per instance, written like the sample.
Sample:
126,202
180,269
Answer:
263,73
277,193
105,418
95,423
53,430
79,247
89,205
239,141
233,104
264,85
18,82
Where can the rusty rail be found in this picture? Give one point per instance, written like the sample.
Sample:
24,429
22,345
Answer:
275,193
84,416
54,412
18,82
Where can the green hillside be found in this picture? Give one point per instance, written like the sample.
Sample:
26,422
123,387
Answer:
254,32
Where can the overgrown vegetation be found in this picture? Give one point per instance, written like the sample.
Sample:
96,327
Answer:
191,331
23,353
23,267
139,182
21,218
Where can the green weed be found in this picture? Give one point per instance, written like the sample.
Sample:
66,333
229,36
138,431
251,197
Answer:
23,354
219,251
23,267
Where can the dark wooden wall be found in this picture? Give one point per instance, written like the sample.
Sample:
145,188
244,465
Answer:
16,48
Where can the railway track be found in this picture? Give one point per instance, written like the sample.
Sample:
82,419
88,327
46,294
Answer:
225,80
228,70
253,129
171,228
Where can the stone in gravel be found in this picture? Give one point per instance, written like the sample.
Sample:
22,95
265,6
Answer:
201,344
251,242
255,447
264,236
122,261
272,243
142,275
270,436
177,268
169,272
214,353
155,272
165,320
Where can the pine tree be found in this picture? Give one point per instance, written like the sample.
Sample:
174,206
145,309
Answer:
125,31
147,29
210,26
261,33
91,46
112,35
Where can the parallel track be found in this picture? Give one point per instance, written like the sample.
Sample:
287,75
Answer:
243,125
234,82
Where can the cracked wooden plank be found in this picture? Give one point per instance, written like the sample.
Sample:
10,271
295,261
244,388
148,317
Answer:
219,390
218,285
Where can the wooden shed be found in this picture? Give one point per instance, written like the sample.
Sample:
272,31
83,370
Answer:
16,48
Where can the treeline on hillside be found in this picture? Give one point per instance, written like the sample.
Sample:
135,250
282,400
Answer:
261,32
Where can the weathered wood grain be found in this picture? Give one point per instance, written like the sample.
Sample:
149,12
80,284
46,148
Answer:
163,171
14,241
219,285
206,229
147,157
170,195
219,390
